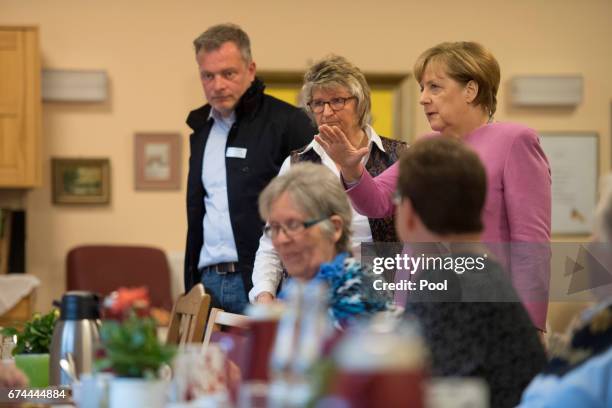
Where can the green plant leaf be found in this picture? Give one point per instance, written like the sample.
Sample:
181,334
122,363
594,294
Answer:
9,331
36,334
131,347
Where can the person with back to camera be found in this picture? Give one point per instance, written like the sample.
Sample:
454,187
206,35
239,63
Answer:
459,83
335,93
476,326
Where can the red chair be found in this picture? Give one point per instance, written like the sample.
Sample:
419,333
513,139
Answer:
104,268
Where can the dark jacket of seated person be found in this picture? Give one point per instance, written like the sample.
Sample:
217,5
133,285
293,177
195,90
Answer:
472,319
476,327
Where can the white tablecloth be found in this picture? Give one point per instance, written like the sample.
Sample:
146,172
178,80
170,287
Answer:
13,288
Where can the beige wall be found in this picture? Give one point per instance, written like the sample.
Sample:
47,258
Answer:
145,46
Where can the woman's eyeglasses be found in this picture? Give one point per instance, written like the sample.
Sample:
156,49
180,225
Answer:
291,228
336,104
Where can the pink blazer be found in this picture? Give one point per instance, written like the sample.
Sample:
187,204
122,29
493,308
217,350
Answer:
517,208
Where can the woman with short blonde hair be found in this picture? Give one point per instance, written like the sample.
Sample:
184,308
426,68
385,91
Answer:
335,95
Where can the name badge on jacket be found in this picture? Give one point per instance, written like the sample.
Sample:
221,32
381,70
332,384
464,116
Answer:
236,152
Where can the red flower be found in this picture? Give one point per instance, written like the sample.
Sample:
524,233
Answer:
119,302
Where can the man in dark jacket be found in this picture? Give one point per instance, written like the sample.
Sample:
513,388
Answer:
239,141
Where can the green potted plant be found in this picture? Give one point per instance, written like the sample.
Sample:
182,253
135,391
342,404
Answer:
32,348
132,352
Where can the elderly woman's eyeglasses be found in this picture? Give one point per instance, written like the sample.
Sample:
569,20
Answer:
336,104
291,229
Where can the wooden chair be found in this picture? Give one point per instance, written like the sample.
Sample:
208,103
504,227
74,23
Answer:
219,318
188,317
561,314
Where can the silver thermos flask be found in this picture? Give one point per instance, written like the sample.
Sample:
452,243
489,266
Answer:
77,332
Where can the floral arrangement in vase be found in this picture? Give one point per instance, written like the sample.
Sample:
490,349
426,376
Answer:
129,344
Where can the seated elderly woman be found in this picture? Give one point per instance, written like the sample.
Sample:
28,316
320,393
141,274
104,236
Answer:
579,373
335,95
308,219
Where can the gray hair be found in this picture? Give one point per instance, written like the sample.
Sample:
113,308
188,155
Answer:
603,213
213,38
317,192
333,71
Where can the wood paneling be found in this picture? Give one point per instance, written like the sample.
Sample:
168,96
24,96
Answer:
20,108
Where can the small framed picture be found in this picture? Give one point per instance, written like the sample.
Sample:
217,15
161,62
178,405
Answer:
574,164
157,158
80,181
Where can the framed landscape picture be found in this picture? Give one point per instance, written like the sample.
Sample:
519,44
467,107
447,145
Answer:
157,158
80,181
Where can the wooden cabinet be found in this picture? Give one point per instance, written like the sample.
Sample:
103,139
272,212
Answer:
20,108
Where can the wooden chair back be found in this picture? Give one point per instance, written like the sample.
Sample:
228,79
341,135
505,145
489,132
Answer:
188,317
219,318
561,314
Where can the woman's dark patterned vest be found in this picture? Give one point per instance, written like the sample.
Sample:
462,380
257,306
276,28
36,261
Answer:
383,229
